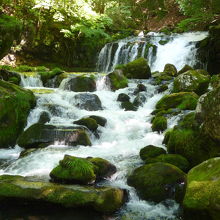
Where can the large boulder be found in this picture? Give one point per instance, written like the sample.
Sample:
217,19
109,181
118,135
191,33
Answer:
87,101
191,81
137,69
151,151
208,112
22,191
41,135
158,181
10,30
181,100
90,123
117,80
81,83
202,196
170,70
15,105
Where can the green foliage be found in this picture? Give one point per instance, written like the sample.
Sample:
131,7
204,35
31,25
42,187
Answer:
24,68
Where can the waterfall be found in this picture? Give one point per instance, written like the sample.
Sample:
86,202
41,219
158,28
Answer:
31,81
159,49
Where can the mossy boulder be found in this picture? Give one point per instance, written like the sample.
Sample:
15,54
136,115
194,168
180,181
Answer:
74,170
128,106
163,88
185,69
159,124
122,97
10,30
140,88
41,135
23,191
99,120
90,123
117,80
81,83
12,77
161,77
158,181
215,81
15,105
203,189
181,100
174,159
137,69
191,81
87,101
151,151
170,70
189,140
208,111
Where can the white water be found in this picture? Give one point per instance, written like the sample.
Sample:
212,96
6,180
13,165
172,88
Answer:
120,141
180,50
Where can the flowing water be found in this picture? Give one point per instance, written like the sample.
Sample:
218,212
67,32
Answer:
124,135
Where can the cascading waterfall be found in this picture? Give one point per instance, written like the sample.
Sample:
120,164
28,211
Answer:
159,49
126,132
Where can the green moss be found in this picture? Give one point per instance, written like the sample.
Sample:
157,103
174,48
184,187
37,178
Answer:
24,68
117,80
170,70
159,124
151,151
99,120
215,81
90,123
185,69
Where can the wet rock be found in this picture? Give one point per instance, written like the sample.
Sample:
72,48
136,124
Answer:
99,120
117,80
40,135
162,88
82,83
128,106
185,69
170,70
15,105
158,181
159,124
151,151
140,88
137,69
139,100
90,123
12,77
21,190
89,102
122,97
203,190
44,117
191,81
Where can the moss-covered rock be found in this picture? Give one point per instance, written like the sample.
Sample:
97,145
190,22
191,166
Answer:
191,81
158,181
203,190
20,190
170,70
174,159
73,170
140,88
137,69
122,97
90,123
215,81
181,100
12,77
99,120
151,151
161,77
81,83
163,88
10,30
159,124
40,135
128,106
15,105
117,80
185,69
208,111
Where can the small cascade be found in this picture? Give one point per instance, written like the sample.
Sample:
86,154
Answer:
159,49
31,81
102,83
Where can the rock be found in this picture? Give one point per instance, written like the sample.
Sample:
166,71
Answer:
21,190
117,80
189,140
162,88
191,81
185,69
128,106
44,117
151,151
15,105
122,97
181,100
208,111
137,69
27,152
90,123
203,190
89,102
140,88
103,168
215,81
174,159
99,120
12,77
81,83
158,181
139,100
73,170
40,135
170,70
159,124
